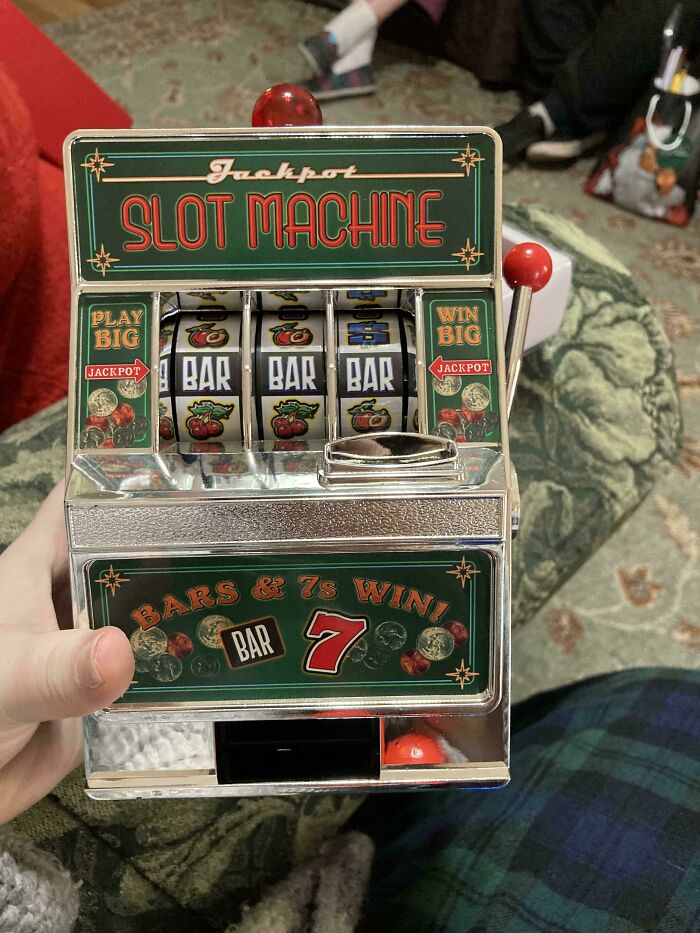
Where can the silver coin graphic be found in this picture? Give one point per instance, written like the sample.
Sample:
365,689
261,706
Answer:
166,668
92,437
209,628
149,644
476,397
435,644
448,385
391,635
141,665
208,666
359,651
101,402
376,657
130,388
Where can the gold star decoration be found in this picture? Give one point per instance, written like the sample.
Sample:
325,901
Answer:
468,254
102,260
463,571
468,159
112,579
97,164
462,675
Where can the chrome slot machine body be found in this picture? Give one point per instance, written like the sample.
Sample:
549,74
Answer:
289,480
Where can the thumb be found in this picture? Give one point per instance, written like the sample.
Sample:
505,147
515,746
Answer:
62,674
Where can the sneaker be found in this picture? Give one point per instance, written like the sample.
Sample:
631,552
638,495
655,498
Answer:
561,149
352,83
320,51
519,133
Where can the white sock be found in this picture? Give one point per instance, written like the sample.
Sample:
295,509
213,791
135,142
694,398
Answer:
538,109
360,56
352,25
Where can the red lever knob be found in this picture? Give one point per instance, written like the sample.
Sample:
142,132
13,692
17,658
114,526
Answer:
286,105
528,264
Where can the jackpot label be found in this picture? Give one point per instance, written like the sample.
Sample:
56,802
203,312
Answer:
290,626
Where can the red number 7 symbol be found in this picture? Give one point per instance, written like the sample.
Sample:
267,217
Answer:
337,634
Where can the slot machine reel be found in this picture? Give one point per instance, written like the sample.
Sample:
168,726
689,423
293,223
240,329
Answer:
373,365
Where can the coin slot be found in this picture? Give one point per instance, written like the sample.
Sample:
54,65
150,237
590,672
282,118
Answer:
283,751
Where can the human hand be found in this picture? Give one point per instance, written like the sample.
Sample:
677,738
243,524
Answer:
50,673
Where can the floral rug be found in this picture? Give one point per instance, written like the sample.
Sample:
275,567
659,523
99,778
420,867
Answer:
177,63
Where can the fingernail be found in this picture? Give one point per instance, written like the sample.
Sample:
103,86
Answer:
89,664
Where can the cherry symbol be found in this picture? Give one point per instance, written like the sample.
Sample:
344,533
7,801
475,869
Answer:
528,264
286,105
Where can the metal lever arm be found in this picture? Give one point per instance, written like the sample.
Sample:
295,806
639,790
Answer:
527,268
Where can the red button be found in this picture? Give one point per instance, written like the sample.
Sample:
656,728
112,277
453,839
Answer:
413,749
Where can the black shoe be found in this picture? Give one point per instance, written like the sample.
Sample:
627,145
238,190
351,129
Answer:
518,133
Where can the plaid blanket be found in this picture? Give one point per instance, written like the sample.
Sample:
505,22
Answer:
599,830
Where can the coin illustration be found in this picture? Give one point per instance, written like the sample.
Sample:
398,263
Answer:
475,431
179,644
205,666
140,426
391,635
130,388
123,437
141,665
149,644
92,437
435,643
166,668
102,402
490,421
209,628
376,657
358,651
446,430
476,396
448,385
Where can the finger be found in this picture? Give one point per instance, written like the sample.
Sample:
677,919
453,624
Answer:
53,750
40,552
55,675
46,530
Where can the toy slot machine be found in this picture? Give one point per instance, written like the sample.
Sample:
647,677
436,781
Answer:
289,480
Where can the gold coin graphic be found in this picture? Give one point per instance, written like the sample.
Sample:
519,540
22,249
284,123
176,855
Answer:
209,628
101,402
149,644
435,644
476,397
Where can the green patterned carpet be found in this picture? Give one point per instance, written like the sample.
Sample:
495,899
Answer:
176,63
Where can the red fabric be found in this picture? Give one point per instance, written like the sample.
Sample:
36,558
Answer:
59,95
43,97
19,200
34,277
35,310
